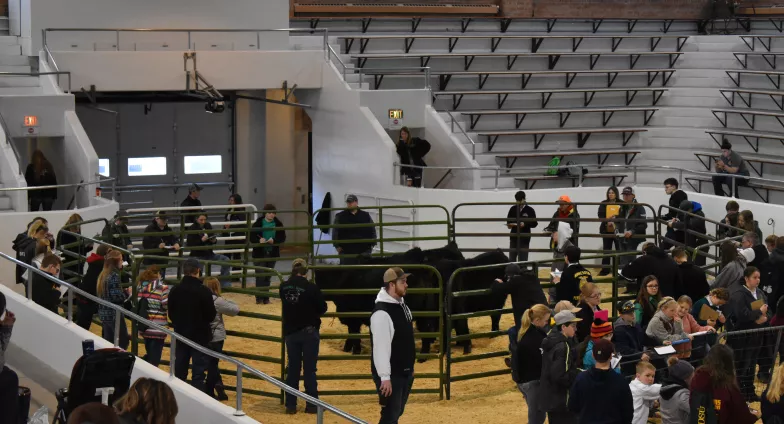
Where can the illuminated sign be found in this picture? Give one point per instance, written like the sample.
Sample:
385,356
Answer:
31,121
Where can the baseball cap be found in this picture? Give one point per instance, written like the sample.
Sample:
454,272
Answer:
565,317
603,350
393,274
194,187
626,307
161,214
564,199
627,190
351,198
121,214
192,262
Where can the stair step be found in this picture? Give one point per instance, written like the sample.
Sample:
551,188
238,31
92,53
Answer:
14,60
8,40
10,49
20,91
19,81
5,202
16,68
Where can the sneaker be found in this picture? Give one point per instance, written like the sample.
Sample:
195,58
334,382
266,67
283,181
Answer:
508,362
291,411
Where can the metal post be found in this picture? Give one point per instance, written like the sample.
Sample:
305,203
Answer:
172,355
635,175
734,186
326,43
258,40
117,38
69,311
117,317
29,285
189,40
497,177
680,177
319,415
381,230
614,272
581,176
238,412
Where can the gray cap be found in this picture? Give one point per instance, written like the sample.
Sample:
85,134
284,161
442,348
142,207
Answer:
351,198
681,370
565,317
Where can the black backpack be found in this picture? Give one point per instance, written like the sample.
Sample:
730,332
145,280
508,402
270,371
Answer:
702,408
142,309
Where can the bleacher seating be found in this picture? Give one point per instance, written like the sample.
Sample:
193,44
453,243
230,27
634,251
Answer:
748,115
601,156
773,76
707,158
769,57
546,94
718,135
563,114
730,94
530,180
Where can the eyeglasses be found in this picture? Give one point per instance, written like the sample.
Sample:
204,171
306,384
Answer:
596,296
656,286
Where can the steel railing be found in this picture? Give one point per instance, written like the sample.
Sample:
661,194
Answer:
10,140
122,313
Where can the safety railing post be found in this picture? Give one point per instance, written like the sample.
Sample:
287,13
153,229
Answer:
615,266
238,411
117,318
69,312
320,415
247,229
172,356
381,230
134,300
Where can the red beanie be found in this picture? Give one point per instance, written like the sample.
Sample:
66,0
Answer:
600,329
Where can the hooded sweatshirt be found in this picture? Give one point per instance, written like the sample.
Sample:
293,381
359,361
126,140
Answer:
663,329
601,397
25,251
559,371
392,345
675,401
656,262
729,403
732,273
644,396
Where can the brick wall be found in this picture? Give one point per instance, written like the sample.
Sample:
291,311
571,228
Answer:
633,9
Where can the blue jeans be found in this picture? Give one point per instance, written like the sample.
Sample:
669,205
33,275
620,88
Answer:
154,349
303,349
182,358
395,404
225,269
530,391
108,333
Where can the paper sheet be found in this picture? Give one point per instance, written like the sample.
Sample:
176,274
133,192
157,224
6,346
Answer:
615,361
664,350
63,289
699,333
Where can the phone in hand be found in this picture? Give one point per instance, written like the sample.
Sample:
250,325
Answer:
88,347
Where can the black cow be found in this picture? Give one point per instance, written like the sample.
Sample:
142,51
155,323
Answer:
340,278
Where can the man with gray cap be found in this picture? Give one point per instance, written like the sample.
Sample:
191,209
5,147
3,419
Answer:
392,345
559,369
191,311
342,237
117,233
194,191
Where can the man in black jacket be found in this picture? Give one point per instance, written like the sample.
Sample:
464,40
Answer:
524,287
191,310
744,316
412,151
559,369
517,222
630,224
573,277
159,244
353,215
117,233
655,262
692,226
203,243
695,282
45,292
772,275
194,191
677,196
303,306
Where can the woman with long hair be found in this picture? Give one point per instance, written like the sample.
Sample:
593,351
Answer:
40,173
590,297
108,288
647,300
747,222
527,360
75,253
609,209
714,389
223,306
148,401
772,404
733,263
156,295
666,326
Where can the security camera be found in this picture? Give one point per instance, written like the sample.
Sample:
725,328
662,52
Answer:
215,106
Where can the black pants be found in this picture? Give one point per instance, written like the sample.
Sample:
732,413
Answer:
561,416
37,202
213,374
671,234
393,406
9,397
607,244
747,349
263,259
182,359
85,313
415,175
302,348
518,254
719,181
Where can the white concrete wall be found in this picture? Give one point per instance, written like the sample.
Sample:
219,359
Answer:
37,330
81,157
10,175
48,108
447,150
413,103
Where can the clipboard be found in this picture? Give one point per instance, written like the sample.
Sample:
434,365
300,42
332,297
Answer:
612,211
757,304
708,313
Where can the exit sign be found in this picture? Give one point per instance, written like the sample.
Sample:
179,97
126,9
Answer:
30,121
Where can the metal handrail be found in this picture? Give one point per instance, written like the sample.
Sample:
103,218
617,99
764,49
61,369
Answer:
47,187
122,313
9,139
121,188
473,143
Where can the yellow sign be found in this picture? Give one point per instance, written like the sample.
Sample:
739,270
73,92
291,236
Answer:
31,121
395,113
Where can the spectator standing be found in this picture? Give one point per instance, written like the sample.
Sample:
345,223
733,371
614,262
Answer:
40,173
523,286
108,288
666,326
392,345
202,242
77,252
88,308
647,301
590,298
677,196
772,404
194,192
644,391
629,338
303,306
609,209
559,242
695,350
25,244
655,261
9,381
730,219
516,221
223,307
527,359
599,330
159,244
353,216
239,220
45,292
751,241
733,263
770,243
266,230
744,316
559,369
772,275
566,212
600,394
747,222
675,406
117,233
695,282
570,283
155,294
412,151
147,401
691,224
714,390
630,224
191,311
729,163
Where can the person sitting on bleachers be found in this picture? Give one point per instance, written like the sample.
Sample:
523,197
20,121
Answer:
9,381
148,401
45,292
159,244
729,163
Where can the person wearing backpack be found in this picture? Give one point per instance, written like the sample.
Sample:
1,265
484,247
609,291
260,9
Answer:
152,305
527,358
714,393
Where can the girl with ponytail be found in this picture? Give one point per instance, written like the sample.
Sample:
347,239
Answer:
108,288
527,358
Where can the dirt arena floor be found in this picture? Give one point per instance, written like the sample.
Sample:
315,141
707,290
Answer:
487,400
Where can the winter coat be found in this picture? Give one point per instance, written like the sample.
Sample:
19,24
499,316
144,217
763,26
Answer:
238,219
663,329
257,232
676,198
116,235
157,296
223,306
45,292
730,274
190,202
772,278
573,278
191,310
412,153
5,341
559,371
113,293
772,413
195,240
760,255
526,291
601,396
729,403
629,342
674,401
571,217
730,219
584,327
529,355
656,262
695,283
634,212
152,242
741,316
46,178
642,313
24,247
691,223
356,233
643,396
516,212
